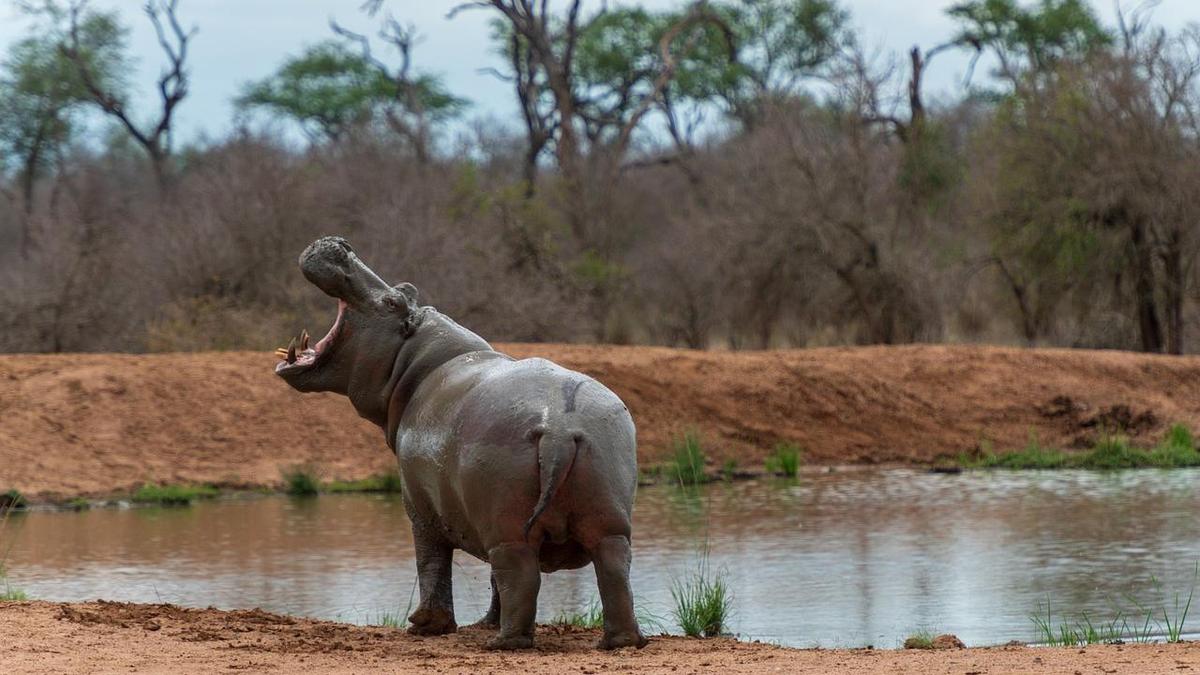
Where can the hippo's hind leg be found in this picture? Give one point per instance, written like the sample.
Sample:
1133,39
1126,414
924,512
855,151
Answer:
611,558
518,578
435,613
492,618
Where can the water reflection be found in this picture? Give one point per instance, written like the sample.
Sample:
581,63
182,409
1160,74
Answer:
840,559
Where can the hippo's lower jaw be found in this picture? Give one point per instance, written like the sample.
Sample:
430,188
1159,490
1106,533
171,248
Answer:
293,361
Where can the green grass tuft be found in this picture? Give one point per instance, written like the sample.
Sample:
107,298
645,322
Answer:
389,620
301,482
922,639
702,602
1145,624
11,500
78,504
785,460
10,594
1176,450
591,616
687,464
173,495
729,469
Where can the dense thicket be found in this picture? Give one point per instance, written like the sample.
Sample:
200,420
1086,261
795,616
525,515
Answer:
732,173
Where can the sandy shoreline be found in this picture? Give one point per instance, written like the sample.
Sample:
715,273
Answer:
101,637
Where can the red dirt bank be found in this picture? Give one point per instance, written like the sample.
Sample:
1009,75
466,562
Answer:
101,423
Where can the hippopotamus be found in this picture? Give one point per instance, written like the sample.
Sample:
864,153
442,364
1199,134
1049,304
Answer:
524,464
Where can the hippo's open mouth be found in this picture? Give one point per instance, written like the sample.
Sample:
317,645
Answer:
299,356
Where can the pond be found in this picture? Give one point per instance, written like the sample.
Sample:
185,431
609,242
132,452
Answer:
838,559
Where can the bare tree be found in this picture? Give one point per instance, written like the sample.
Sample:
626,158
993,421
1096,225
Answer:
155,137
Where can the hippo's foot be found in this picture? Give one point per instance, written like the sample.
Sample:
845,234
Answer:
618,640
509,642
486,623
432,621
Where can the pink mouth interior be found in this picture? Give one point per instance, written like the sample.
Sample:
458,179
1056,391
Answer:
309,356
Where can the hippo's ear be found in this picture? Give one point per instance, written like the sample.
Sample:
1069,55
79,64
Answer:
408,290
402,299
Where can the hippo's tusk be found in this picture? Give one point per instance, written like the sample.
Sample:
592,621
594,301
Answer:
291,351
304,339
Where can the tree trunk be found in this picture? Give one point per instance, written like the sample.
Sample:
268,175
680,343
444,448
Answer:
1173,291
1149,327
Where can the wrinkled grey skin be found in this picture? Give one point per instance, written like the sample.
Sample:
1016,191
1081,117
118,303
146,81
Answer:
523,464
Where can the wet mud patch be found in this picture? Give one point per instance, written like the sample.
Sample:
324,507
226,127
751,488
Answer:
1085,424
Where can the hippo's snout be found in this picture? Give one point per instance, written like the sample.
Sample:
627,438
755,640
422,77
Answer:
326,264
331,265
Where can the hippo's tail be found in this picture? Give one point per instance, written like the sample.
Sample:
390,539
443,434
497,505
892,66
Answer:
556,455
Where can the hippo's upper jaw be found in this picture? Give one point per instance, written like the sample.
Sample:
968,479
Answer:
372,321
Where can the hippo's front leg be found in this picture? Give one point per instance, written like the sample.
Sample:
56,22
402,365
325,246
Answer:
435,613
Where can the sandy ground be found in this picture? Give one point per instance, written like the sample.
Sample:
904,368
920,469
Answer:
42,637
96,424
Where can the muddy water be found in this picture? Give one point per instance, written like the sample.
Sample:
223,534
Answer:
841,559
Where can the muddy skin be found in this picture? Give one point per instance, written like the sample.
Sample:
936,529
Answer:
523,464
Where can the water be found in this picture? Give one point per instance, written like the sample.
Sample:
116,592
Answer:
840,559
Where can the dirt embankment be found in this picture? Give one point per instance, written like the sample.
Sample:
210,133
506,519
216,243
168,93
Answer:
99,423
103,637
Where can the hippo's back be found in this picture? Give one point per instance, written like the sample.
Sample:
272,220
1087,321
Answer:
487,401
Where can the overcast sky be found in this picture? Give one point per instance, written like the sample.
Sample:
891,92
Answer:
241,40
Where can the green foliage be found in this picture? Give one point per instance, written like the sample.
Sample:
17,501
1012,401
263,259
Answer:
173,495
41,90
785,460
78,504
702,602
301,482
1035,37
686,466
10,594
1176,450
386,482
591,617
329,88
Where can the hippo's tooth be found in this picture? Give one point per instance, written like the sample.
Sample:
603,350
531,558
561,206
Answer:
291,351
304,340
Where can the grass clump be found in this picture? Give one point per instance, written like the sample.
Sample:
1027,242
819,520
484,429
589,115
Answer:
686,466
389,620
1176,450
591,616
702,602
1148,623
173,495
78,504
7,592
785,460
10,594
387,482
729,470
11,500
922,639
301,482
1081,631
